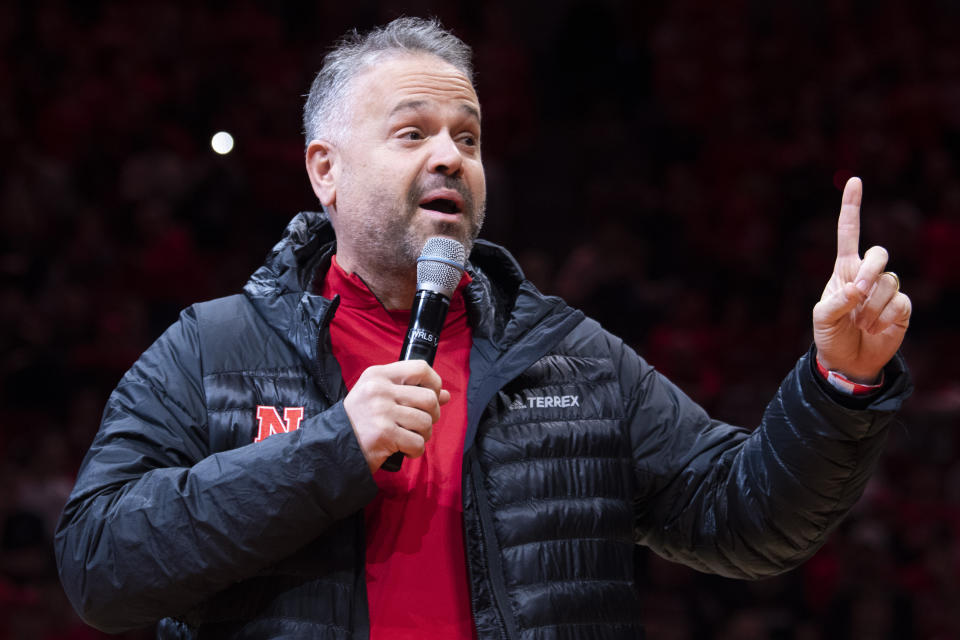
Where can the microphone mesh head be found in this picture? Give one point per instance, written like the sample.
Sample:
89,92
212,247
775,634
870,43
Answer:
434,269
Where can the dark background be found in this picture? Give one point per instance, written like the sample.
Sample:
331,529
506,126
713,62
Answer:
672,168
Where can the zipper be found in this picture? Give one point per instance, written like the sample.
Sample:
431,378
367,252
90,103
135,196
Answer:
322,328
359,611
471,570
498,586
479,396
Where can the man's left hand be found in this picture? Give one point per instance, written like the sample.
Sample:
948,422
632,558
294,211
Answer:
862,316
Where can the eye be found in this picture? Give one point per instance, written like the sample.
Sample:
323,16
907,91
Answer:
468,139
411,134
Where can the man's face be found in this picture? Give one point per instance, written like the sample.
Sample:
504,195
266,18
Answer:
410,164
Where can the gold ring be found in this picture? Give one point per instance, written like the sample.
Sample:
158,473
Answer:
896,278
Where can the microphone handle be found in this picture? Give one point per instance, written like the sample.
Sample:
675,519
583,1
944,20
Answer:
423,336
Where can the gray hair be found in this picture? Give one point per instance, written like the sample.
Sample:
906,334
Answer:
324,113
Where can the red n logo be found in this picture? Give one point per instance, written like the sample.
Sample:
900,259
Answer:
270,423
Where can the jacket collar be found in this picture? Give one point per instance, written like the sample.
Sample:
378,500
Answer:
501,304
306,244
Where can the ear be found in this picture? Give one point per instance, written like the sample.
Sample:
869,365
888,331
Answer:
323,167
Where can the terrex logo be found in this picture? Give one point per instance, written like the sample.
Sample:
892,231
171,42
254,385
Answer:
270,422
543,402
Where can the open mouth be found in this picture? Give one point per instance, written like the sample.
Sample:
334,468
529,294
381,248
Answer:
443,205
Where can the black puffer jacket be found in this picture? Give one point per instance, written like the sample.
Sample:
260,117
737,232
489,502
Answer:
576,449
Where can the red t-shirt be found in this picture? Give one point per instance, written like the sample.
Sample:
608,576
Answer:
416,569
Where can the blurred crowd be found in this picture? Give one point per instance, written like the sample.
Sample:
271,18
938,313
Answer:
672,168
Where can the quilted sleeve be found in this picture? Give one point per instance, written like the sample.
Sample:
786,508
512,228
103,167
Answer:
156,524
749,504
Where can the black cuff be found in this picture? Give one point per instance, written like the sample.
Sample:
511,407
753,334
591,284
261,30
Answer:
896,380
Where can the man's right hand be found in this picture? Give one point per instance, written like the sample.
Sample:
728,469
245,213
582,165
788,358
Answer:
392,407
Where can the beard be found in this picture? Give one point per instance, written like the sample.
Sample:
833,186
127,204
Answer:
390,237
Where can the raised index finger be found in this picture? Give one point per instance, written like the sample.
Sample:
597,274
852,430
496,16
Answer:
848,226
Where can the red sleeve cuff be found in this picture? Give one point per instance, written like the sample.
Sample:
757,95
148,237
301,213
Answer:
841,383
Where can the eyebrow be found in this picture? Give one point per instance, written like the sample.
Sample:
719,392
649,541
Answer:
416,105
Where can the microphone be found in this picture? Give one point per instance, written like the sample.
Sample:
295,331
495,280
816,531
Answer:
439,269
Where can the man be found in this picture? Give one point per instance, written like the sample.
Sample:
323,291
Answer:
235,489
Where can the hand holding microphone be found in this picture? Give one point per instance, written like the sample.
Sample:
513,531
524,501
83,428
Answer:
393,407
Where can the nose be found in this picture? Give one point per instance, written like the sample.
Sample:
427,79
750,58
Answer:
445,156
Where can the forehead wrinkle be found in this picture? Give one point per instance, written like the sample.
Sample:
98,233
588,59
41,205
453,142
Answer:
464,93
401,79
408,78
443,82
415,104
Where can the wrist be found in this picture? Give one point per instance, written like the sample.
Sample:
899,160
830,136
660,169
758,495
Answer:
855,385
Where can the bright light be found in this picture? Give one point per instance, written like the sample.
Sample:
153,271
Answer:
222,142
